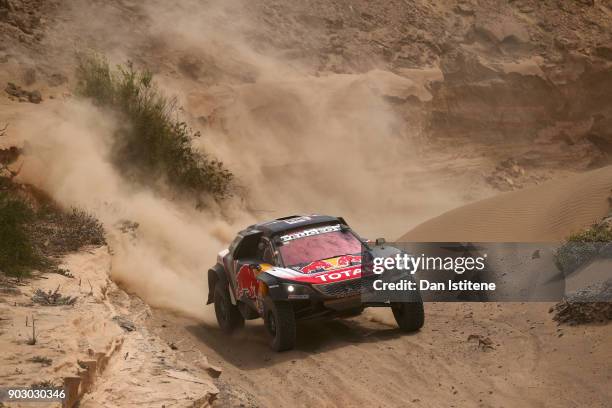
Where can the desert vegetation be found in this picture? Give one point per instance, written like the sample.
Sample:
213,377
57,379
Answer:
152,145
34,231
601,232
34,238
17,252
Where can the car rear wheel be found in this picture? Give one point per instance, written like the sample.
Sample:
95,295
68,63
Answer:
279,320
228,315
409,316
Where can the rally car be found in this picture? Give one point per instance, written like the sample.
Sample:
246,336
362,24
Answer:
295,268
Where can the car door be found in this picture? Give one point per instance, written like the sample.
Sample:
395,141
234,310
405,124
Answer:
243,272
266,252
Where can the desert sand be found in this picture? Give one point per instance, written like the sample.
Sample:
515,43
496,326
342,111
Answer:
87,339
549,212
424,119
367,361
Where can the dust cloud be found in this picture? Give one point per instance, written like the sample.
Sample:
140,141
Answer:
297,143
165,258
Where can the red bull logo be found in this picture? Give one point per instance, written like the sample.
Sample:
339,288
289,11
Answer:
246,283
347,260
333,263
317,266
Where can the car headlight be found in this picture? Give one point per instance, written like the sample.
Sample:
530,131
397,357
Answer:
295,291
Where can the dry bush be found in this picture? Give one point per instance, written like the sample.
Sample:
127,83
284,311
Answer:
583,247
153,145
52,298
46,361
17,252
58,232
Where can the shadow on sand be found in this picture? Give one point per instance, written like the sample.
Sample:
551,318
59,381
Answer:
248,348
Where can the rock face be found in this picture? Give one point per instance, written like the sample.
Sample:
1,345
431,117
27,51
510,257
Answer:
22,95
532,76
95,352
512,71
21,19
591,305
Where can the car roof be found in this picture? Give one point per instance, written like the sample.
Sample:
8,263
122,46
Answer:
292,222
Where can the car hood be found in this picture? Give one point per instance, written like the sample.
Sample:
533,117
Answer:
330,264
322,271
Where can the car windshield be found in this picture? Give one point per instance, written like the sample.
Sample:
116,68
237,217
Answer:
310,248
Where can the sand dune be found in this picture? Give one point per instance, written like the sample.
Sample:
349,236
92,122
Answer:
548,212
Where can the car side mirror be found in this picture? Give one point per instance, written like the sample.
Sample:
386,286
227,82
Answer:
380,241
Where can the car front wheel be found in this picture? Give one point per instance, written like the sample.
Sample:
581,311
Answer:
409,316
228,315
279,320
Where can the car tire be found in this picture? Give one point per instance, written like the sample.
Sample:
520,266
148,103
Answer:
409,316
279,319
228,315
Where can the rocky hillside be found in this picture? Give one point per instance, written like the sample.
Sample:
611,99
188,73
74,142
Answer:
523,73
531,76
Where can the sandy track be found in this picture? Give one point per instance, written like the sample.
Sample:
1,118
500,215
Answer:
366,361
548,212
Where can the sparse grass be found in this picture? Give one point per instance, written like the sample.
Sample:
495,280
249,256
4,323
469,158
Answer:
46,361
596,233
43,384
64,272
57,232
154,145
17,253
583,246
33,239
52,298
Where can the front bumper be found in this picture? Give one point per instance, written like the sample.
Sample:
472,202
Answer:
311,301
339,290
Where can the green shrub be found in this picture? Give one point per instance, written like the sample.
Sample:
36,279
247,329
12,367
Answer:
56,232
596,233
17,253
583,247
34,239
153,144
